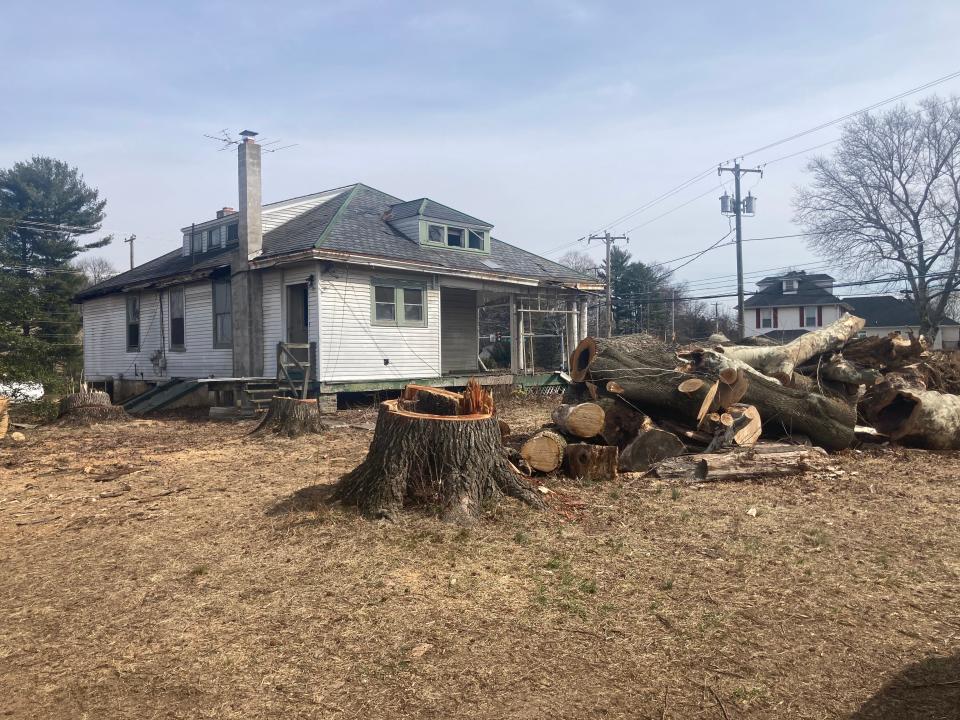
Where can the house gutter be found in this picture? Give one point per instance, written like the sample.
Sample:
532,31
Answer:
378,262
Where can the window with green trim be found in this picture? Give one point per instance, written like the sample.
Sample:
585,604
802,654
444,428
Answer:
397,302
454,237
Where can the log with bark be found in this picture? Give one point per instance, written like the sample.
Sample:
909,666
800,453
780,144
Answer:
83,408
455,462
650,446
886,352
4,415
544,451
291,417
764,461
583,420
912,416
646,369
780,361
591,462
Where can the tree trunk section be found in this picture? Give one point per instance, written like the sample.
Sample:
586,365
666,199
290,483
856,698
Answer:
780,361
84,408
648,448
591,462
918,418
457,463
584,420
891,351
544,451
291,417
773,461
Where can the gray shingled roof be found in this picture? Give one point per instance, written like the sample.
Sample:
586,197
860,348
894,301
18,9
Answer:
795,274
355,221
887,311
808,293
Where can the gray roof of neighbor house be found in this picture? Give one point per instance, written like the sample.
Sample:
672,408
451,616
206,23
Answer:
887,311
808,293
795,274
357,221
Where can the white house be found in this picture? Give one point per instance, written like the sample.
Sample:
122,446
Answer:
887,314
349,289
786,306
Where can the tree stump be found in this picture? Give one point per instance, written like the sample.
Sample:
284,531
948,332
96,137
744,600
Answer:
291,417
456,462
89,407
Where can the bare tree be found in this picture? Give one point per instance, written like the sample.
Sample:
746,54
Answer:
888,201
96,269
579,261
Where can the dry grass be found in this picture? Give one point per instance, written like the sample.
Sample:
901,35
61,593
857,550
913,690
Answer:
219,585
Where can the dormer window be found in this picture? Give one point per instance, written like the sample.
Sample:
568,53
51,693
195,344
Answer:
455,237
789,286
196,243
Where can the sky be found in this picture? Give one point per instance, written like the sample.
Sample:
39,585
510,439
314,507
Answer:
549,118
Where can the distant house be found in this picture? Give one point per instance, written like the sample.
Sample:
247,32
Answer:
887,314
786,306
350,289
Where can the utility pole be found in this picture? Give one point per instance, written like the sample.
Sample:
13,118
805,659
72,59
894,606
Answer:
716,315
673,314
608,240
740,207
130,240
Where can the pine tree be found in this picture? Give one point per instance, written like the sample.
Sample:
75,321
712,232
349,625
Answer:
45,207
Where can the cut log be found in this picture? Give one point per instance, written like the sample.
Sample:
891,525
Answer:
591,462
733,388
4,415
708,404
584,420
839,369
780,361
614,388
649,447
741,465
621,423
888,352
456,462
748,430
645,366
918,418
84,408
690,385
544,451
291,417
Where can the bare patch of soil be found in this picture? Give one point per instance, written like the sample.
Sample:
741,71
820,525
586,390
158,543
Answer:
177,568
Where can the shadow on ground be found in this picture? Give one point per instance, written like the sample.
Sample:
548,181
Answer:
308,499
929,689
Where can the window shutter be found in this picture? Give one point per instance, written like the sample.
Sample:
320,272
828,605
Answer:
819,315
801,316
775,318
758,317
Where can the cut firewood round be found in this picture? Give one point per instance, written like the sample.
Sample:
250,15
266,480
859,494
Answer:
748,431
733,387
291,417
544,451
726,419
591,462
614,388
457,462
729,375
583,420
89,407
690,385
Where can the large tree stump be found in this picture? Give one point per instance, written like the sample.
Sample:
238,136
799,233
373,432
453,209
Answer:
291,417
455,462
89,407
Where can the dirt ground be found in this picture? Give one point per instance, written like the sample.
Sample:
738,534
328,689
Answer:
174,568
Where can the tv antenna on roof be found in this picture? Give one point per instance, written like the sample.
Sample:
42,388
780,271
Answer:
227,141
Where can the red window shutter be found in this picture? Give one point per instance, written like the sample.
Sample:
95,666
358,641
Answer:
819,315
758,317
775,318
801,317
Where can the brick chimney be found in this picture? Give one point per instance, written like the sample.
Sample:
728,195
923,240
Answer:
246,285
223,212
251,226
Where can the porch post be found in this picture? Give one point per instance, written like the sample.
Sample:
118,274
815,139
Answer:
573,332
515,341
584,320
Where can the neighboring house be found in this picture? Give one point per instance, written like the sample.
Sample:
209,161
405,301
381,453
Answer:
887,314
786,306
365,290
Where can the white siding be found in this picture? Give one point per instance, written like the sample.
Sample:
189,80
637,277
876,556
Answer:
105,345
352,348
788,318
275,312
